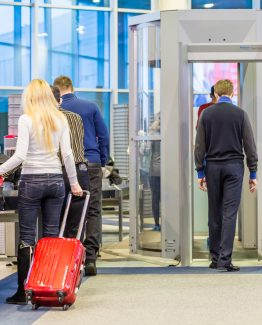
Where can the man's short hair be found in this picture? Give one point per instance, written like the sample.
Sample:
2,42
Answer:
56,93
64,83
212,92
224,87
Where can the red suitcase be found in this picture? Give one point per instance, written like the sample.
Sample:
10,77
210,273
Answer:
57,266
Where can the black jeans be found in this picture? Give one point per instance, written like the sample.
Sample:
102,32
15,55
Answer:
77,203
94,219
37,192
155,190
224,183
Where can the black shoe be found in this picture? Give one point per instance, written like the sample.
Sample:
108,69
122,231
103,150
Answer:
23,265
90,268
213,265
19,298
229,268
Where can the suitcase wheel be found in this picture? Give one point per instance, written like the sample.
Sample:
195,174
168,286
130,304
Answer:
29,295
35,306
61,295
65,307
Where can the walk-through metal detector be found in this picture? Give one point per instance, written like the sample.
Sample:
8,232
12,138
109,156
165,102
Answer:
171,41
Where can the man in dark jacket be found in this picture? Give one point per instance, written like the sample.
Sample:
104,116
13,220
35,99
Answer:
223,132
96,143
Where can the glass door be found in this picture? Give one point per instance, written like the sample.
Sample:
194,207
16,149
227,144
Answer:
145,131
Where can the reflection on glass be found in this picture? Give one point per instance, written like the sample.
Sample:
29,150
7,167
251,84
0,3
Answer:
224,4
148,153
148,77
78,49
14,45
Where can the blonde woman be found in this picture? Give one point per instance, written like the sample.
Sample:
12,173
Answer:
42,129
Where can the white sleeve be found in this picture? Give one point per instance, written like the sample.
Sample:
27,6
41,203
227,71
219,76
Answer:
21,146
67,155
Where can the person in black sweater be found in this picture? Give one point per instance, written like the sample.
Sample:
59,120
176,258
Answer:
223,132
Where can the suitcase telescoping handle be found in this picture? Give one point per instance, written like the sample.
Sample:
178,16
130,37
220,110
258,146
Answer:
82,220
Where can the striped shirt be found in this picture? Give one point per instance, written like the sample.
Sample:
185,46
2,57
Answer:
76,136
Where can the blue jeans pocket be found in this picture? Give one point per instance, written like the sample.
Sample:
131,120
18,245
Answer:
60,189
28,190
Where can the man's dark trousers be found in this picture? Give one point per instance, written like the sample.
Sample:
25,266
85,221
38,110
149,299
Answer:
224,183
94,220
77,203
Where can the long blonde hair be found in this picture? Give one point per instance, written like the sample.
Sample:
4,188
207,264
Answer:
40,104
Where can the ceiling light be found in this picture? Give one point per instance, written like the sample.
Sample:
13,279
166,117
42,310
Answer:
208,5
80,29
42,34
96,1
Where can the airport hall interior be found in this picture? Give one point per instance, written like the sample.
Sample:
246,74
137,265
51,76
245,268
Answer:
130,152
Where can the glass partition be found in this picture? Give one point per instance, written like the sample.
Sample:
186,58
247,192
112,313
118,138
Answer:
148,81
149,193
147,137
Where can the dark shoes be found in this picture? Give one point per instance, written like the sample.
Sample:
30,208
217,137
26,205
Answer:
23,264
19,298
213,265
90,268
229,268
157,228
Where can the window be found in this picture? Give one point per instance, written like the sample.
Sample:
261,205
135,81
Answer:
78,49
89,3
135,4
14,45
219,4
123,57
102,99
123,98
21,1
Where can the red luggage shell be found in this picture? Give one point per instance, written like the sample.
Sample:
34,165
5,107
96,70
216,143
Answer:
56,268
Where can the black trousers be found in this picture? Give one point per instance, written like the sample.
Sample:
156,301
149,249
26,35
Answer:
77,202
224,183
94,221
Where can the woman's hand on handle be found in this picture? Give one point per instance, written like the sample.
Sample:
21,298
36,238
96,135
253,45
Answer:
76,190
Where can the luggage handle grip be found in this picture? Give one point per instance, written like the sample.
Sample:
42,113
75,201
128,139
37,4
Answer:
82,219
